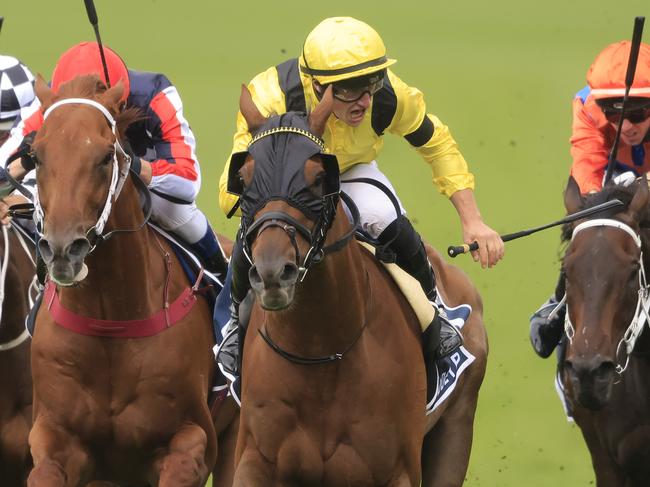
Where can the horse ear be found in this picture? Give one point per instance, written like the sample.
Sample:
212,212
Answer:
112,98
43,92
252,115
318,118
572,198
640,199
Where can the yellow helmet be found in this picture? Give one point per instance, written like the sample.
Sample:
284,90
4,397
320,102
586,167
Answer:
342,48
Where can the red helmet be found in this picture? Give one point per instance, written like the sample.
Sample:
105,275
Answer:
606,76
84,58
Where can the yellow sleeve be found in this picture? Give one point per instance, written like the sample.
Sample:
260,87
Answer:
430,137
269,99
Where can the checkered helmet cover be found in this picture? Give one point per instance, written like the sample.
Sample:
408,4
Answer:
16,87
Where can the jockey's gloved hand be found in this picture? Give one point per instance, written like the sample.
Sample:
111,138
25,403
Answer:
6,188
136,163
27,160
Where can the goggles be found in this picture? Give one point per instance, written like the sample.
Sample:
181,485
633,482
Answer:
637,113
354,89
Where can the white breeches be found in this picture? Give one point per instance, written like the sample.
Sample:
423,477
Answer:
375,207
186,221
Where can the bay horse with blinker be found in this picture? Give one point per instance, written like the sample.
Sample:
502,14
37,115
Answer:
121,354
16,274
334,386
606,365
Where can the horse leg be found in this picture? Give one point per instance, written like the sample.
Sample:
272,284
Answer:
59,458
608,473
184,464
446,448
252,470
224,470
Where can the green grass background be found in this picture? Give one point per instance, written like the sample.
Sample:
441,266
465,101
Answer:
500,73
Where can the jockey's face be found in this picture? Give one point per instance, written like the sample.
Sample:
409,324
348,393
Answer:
634,133
637,118
352,98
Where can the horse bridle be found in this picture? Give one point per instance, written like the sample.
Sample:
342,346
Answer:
315,237
118,177
315,254
642,311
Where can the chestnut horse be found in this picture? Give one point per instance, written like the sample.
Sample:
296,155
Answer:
121,354
334,385
16,275
606,366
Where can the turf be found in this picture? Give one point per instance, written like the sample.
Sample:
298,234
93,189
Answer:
502,75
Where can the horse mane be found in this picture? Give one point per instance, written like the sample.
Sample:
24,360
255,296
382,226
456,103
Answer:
92,87
610,192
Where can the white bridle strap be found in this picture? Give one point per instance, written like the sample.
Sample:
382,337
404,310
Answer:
117,177
81,101
607,222
642,312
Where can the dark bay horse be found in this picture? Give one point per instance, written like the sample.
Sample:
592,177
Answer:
121,355
606,368
16,274
334,385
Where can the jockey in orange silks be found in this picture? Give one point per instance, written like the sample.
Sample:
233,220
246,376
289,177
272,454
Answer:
596,115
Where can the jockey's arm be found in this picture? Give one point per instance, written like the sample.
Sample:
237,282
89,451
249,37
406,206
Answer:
433,141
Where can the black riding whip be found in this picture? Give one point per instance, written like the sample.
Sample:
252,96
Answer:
2,19
454,250
92,17
629,79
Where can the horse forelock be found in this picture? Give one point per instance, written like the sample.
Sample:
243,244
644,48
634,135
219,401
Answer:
92,87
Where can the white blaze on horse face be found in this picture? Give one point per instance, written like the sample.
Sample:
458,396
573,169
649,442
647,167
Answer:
88,142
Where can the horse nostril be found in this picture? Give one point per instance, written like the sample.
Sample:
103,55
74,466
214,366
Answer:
254,276
78,249
289,273
45,250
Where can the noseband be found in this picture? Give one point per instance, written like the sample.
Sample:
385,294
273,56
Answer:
642,311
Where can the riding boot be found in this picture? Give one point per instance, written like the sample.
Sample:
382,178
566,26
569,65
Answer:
441,338
211,254
546,330
233,342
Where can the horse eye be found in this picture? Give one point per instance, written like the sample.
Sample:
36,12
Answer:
108,158
319,179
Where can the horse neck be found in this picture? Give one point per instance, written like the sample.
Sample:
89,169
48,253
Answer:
330,305
125,269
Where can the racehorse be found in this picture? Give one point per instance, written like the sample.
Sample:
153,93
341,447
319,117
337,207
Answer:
334,385
121,354
606,365
16,273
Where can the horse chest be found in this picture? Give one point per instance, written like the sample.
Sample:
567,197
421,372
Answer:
314,448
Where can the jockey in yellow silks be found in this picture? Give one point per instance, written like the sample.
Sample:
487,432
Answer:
369,100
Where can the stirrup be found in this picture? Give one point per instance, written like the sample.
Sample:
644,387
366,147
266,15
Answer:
546,327
227,354
450,338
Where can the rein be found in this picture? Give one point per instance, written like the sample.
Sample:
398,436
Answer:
642,311
3,277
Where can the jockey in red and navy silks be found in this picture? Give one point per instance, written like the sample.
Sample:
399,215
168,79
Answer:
162,145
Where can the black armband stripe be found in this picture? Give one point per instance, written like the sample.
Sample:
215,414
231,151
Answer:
291,86
384,106
422,134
